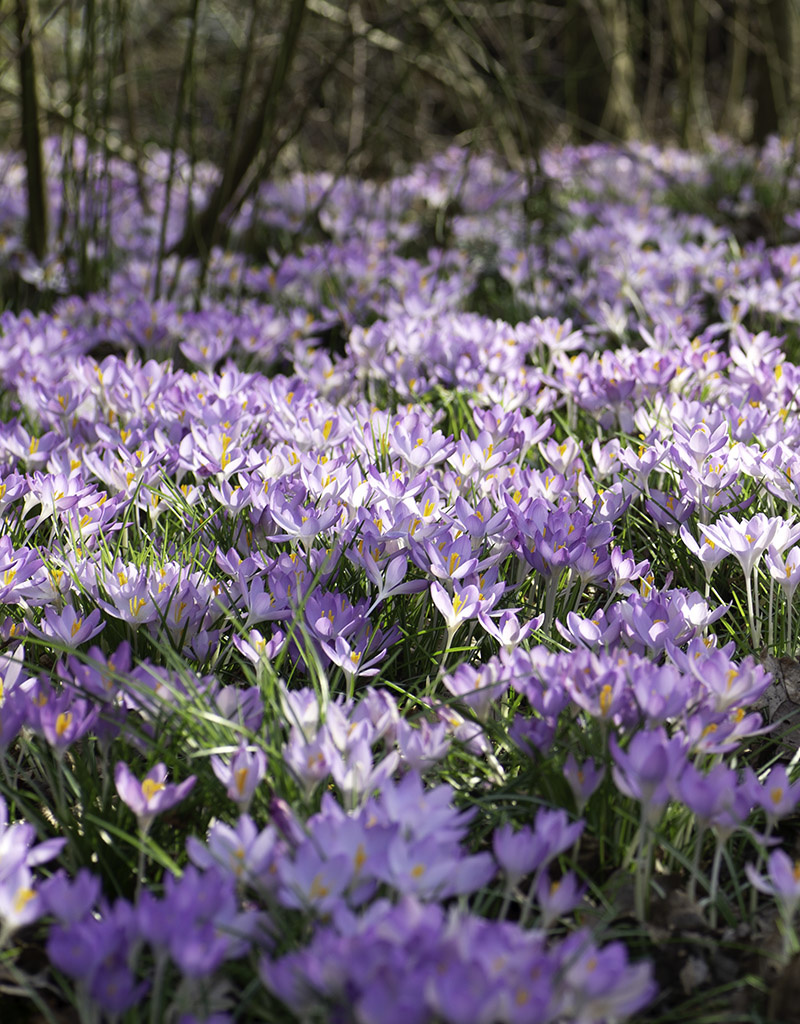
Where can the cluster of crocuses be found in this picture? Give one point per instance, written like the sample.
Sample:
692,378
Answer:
360,647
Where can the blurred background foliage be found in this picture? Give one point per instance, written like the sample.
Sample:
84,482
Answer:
368,87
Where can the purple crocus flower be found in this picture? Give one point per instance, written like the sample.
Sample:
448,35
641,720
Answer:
313,882
20,903
717,798
782,882
152,795
16,845
70,899
776,795
241,774
65,719
747,540
517,852
600,983
423,747
649,769
559,897
240,850
69,627
583,779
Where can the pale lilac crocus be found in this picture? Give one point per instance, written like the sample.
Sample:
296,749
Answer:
648,772
517,852
152,795
706,551
775,794
557,898
69,627
20,903
464,604
422,747
787,574
583,779
649,769
747,540
241,774
783,884
507,630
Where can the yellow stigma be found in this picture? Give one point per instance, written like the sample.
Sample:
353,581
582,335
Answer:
63,722
150,787
318,890
23,897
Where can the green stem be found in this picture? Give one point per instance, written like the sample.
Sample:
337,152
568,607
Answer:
715,883
762,856
771,635
157,995
755,634
507,894
698,846
643,868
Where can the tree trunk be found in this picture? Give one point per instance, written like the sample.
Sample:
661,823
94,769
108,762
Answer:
31,136
206,228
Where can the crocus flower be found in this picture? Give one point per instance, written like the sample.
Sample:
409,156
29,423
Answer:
20,903
748,539
16,848
776,795
716,798
649,769
242,774
242,850
70,899
557,898
602,983
782,882
152,795
786,573
508,631
517,853
464,605
69,627
65,719
583,779
422,747
707,551
313,882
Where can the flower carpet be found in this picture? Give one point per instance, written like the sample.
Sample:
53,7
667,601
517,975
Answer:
397,608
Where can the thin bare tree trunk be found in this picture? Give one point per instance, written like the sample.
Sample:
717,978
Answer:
731,116
655,75
359,96
621,115
31,135
697,86
131,97
206,227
